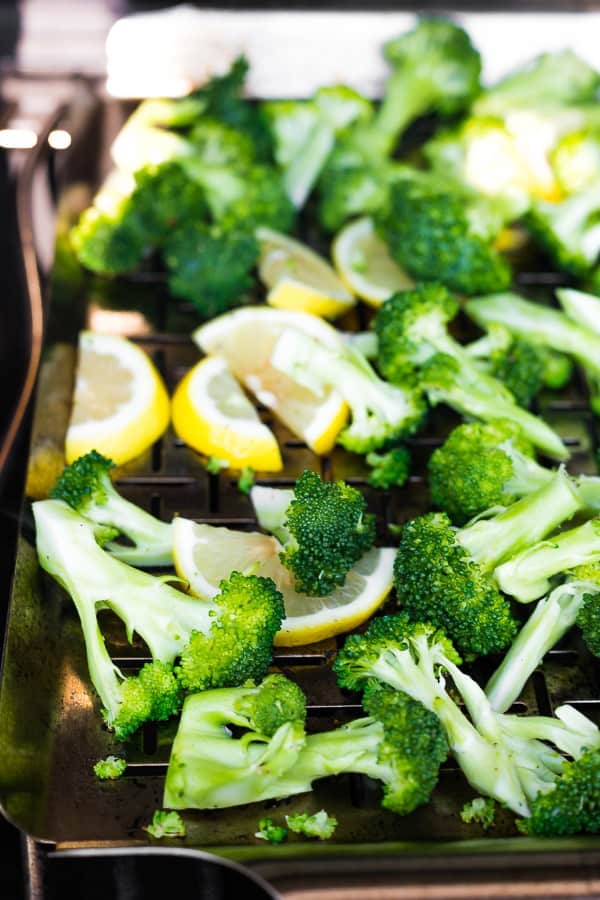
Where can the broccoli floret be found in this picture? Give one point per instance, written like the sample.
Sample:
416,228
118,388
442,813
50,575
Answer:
354,191
86,486
481,466
480,810
551,619
246,480
324,528
110,768
440,231
588,618
545,326
400,744
304,132
573,805
218,144
527,575
268,831
569,230
552,80
106,242
558,368
319,825
410,657
521,368
210,266
447,381
381,413
389,469
220,642
166,823
575,160
272,703
443,575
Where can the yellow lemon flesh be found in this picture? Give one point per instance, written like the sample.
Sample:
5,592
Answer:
212,414
120,404
365,265
246,338
205,554
300,279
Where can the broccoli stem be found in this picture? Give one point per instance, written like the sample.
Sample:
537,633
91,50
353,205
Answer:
352,748
581,308
552,618
589,491
527,474
572,732
271,506
527,576
308,162
405,99
152,539
489,541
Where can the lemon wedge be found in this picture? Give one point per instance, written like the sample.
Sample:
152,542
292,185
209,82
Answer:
300,279
120,404
205,554
212,414
364,264
246,338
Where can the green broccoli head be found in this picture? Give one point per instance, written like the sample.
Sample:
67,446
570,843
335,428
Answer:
408,323
438,581
389,469
351,191
108,242
572,806
153,695
379,650
569,230
166,823
329,530
218,144
164,197
268,831
522,369
478,467
413,748
84,482
210,266
239,644
438,231
588,617
275,701
439,63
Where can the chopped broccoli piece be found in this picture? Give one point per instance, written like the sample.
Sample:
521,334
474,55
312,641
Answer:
272,703
482,466
569,230
214,465
110,768
442,575
551,619
572,806
400,743
107,242
219,642
218,144
86,486
588,617
552,80
381,413
320,824
440,231
324,528
581,308
246,480
527,575
350,191
446,381
480,810
545,326
166,823
558,368
390,469
268,831
521,368
210,266
575,160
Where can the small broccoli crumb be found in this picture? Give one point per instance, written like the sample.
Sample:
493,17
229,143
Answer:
320,825
166,823
214,465
246,480
480,810
110,768
274,834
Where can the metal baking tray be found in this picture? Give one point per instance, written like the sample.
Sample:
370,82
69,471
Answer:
50,727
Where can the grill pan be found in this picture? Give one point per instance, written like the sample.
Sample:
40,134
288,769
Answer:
50,727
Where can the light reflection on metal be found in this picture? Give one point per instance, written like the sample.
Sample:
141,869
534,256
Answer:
17,138
59,139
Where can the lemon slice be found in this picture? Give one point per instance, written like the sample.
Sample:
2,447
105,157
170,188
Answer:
120,404
212,414
246,338
205,554
364,264
298,278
